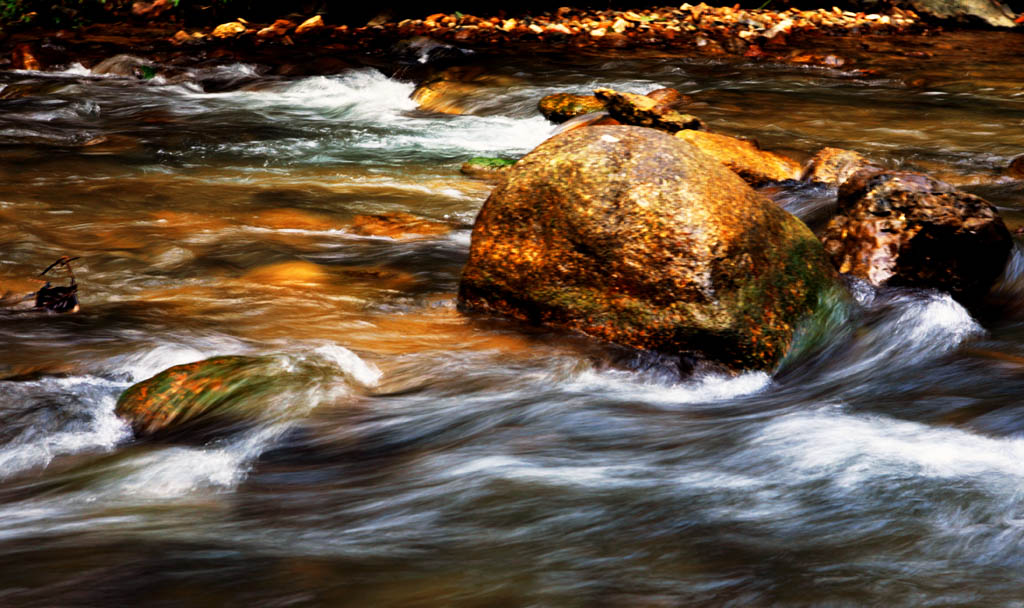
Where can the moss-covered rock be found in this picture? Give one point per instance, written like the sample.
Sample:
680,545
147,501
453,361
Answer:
636,237
491,169
203,399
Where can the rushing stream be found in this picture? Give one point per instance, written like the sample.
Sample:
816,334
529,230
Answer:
445,460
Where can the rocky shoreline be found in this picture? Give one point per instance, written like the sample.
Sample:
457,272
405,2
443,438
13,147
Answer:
312,45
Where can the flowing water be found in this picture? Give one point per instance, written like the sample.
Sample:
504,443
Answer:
446,460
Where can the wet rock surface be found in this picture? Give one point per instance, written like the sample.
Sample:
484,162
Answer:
754,165
197,400
833,166
490,169
642,111
633,236
560,107
898,228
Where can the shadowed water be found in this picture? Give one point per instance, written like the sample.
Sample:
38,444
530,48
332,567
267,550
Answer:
446,460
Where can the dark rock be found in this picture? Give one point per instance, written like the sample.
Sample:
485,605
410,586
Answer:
642,111
636,237
897,228
560,107
756,166
833,166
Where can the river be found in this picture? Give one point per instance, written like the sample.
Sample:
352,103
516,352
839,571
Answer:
446,460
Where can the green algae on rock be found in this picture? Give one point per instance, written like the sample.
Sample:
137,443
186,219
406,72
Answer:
636,237
487,168
206,398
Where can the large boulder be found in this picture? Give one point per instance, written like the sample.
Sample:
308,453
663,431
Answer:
633,236
899,228
754,165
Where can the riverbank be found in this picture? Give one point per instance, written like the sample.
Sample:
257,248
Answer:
308,45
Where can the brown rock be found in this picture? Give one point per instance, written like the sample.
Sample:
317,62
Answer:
642,111
151,9
633,236
228,30
23,57
560,107
897,228
444,96
833,166
754,165
669,97
1016,168
310,25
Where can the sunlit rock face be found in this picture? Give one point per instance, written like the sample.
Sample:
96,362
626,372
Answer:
899,228
633,236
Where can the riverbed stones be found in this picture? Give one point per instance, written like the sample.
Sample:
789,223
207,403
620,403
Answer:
756,166
642,111
197,399
636,237
900,228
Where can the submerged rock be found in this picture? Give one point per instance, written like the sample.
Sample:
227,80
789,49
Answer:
833,166
898,228
642,111
754,165
560,107
207,397
491,169
636,237
397,225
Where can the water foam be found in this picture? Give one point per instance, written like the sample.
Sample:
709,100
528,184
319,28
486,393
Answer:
98,428
703,387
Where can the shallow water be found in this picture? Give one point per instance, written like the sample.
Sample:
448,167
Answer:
445,460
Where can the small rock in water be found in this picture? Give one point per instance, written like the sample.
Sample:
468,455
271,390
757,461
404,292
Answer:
397,225
756,166
642,111
833,166
1016,168
560,107
899,228
209,398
